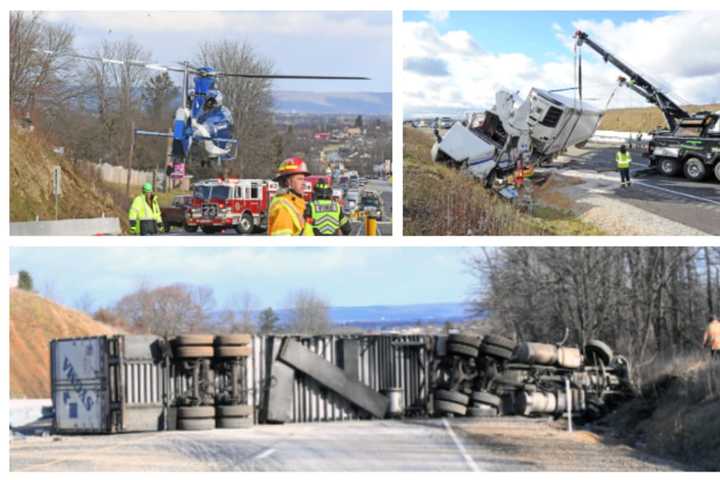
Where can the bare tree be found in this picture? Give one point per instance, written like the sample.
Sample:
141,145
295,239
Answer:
309,313
250,100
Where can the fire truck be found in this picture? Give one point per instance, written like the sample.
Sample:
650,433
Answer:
222,203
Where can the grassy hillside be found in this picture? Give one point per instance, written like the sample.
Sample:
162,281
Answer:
34,321
677,413
642,119
31,164
442,201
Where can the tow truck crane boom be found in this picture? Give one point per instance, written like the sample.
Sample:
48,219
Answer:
639,84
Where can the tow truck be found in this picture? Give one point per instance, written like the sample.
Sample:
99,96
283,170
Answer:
690,143
224,203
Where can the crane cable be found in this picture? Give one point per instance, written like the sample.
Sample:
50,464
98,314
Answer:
578,88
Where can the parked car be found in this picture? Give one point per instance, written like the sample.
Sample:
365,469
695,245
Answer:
174,215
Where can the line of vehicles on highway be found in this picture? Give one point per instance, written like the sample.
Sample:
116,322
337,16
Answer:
242,205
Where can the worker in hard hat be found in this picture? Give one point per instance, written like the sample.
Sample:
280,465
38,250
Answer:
288,206
144,215
323,214
623,161
711,339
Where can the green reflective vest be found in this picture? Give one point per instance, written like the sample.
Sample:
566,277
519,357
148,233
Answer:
623,159
326,217
140,210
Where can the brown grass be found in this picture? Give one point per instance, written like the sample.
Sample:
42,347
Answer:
34,321
642,119
31,164
678,411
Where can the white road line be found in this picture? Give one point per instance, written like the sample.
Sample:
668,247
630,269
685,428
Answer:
468,459
264,454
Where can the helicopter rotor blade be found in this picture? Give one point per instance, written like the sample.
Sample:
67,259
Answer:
290,77
112,61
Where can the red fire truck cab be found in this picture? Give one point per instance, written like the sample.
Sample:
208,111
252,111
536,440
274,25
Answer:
223,203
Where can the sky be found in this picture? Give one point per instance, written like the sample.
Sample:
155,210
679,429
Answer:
342,276
303,43
455,61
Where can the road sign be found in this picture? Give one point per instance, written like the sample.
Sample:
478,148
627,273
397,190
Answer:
57,181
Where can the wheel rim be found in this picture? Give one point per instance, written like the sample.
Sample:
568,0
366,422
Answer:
667,166
245,224
693,170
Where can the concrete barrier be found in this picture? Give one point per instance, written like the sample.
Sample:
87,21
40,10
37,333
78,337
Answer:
611,137
76,226
25,411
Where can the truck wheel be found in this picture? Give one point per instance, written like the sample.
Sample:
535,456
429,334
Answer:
196,412
442,406
234,422
599,350
486,398
495,351
483,411
237,339
472,340
232,352
197,340
194,352
190,228
233,410
694,169
196,423
246,225
462,350
669,167
717,171
451,396
499,341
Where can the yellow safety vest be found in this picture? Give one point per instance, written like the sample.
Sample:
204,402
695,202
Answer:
326,217
140,210
623,160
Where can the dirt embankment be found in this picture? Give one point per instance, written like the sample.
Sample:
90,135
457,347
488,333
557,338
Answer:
34,321
643,119
677,414
31,164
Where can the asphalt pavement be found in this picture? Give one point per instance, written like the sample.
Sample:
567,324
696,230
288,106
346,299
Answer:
694,204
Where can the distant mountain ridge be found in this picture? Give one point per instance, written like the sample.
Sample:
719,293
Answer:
358,103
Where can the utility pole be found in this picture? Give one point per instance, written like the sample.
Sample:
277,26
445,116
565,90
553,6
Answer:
130,159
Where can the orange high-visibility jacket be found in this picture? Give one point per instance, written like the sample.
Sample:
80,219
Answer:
286,215
712,335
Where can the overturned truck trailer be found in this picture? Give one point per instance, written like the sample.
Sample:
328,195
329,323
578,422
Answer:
536,129
129,383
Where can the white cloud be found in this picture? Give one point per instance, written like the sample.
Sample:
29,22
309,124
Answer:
679,50
438,16
320,24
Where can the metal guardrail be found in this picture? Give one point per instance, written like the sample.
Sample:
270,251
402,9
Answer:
77,226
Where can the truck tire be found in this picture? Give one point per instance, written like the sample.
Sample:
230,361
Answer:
499,341
234,422
452,396
196,423
694,169
232,352
196,412
670,167
717,171
194,340
190,228
442,406
233,411
486,398
494,351
194,352
471,340
599,350
237,339
246,225
462,350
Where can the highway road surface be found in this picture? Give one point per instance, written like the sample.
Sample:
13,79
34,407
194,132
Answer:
695,205
442,445
382,187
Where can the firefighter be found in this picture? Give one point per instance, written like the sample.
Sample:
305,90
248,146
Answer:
144,215
711,339
623,161
323,215
288,206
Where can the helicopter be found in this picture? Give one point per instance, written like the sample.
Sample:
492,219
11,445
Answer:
201,117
